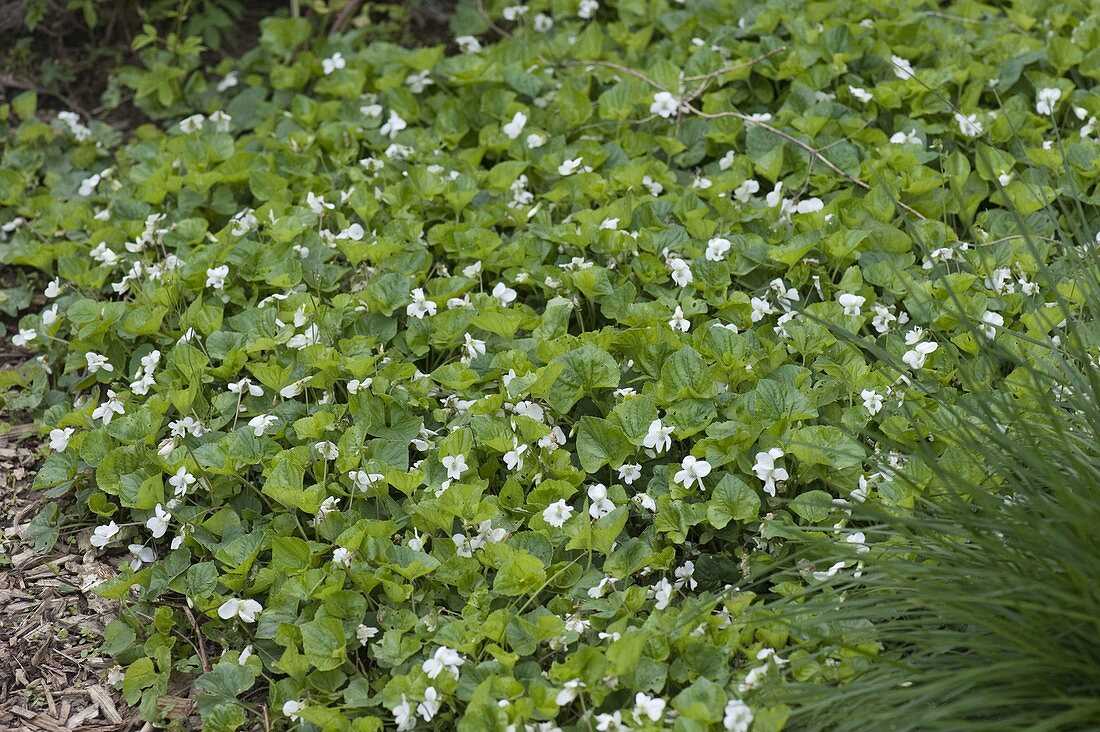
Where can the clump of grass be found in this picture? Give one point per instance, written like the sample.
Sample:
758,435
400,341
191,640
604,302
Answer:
979,608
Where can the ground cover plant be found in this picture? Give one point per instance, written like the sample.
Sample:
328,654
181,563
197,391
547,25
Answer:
529,382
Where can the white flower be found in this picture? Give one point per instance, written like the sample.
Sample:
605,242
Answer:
192,123
329,505
902,68
473,346
587,9
53,288
678,321
554,440
905,138
992,321
364,633
610,722
246,610
355,232
97,362
428,708
916,356
513,129
738,716
851,303
245,385
601,505
513,459
59,438
108,409
513,12
261,422
745,191
221,121
158,523
246,653
420,306
717,248
809,205
861,94
766,471
648,706
662,593
88,185
25,336
444,659
1046,99
103,535
215,277
468,44
726,162
859,541
692,470
556,514
760,309
394,125
318,204
455,466
680,271
535,140
504,294
142,555
830,572
340,555
685,576
664,104
228,82
630,472
181,481
969,124
418,81
327,450
243,222
403,715
872,401
658,437
531,410
293,706
364,480
543,22
569,167
569,692
600,589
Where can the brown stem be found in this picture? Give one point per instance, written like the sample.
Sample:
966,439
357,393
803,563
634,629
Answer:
813,151
489,21
345,16
15,83
198,635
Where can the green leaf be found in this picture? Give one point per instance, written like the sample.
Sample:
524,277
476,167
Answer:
585,371
323,643
521,574
601,443
812,505
732,500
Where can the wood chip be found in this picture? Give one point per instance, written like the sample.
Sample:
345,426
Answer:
51,677
102,699
82,716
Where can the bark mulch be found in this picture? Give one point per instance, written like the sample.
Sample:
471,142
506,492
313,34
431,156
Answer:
51,675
